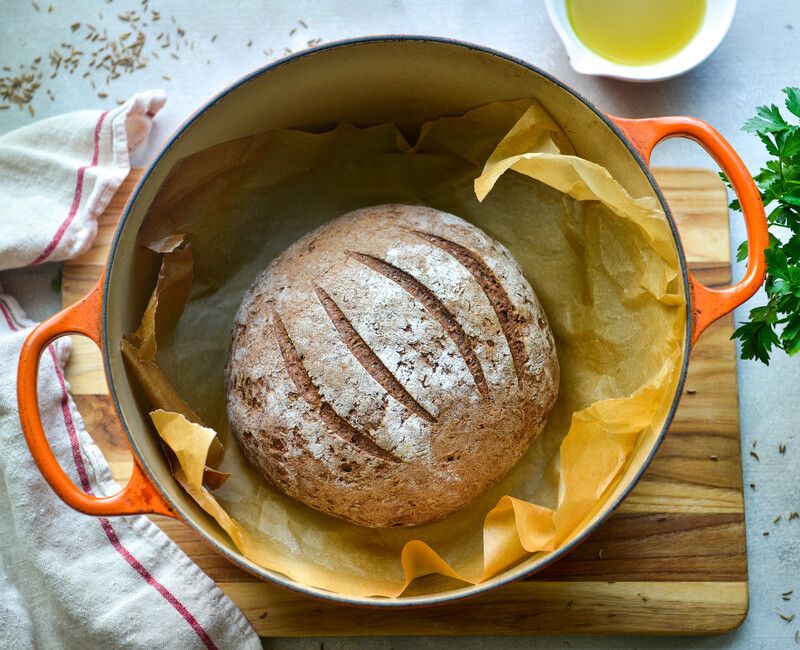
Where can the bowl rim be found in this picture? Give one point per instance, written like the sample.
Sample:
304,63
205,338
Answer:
712,31
469,590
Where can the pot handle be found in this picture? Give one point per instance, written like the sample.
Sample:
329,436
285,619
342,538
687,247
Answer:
139,496
710,304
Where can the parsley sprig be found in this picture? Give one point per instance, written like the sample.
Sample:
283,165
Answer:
776,325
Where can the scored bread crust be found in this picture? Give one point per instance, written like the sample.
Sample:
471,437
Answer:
390,366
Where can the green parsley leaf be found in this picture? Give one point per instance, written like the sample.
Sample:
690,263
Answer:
768,119
741,252
789,144
776,325
772,148
793,100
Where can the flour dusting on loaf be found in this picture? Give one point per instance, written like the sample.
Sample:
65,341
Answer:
390,366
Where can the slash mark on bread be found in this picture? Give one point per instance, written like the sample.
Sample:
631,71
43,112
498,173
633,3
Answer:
435,308
367,357
310,393
509,317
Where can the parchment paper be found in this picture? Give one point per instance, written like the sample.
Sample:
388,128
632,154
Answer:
601,262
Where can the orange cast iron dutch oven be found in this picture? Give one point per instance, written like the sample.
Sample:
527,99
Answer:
365,81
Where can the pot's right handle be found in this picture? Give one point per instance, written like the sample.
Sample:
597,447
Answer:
710,304
139,496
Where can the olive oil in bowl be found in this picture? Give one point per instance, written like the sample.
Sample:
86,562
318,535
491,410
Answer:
636,32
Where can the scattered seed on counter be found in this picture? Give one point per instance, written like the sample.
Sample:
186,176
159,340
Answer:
115,46
19,90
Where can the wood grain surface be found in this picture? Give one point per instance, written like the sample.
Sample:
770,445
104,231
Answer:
671,560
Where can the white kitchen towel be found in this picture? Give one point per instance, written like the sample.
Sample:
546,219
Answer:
69,580
59,174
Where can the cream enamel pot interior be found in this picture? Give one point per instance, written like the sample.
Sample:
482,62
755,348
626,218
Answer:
366,81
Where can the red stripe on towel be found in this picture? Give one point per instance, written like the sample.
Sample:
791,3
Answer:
76,198
104,522
7,317
137,566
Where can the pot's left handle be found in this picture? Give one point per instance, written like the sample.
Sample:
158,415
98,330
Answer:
710,304
139,496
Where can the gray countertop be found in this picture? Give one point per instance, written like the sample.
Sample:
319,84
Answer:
759,57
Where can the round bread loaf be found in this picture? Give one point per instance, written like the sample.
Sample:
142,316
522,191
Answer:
390,366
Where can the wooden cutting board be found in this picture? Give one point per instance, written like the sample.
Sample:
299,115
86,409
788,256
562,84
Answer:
671,560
